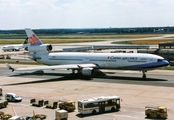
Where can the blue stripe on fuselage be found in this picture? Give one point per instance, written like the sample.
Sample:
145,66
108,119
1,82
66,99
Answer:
146,66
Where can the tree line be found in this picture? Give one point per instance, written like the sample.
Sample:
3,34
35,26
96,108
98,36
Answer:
135,30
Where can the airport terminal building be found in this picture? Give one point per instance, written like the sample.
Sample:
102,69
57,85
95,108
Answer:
166,45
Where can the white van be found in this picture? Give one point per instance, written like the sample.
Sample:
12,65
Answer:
13,97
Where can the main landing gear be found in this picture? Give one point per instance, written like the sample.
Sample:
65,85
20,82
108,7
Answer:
144,75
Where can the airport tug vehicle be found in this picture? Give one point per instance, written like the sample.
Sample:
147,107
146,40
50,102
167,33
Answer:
156,112
4,116
68,105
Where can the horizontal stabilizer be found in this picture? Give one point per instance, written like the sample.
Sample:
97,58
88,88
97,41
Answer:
9,67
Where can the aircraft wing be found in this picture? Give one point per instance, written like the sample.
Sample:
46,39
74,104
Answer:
68,66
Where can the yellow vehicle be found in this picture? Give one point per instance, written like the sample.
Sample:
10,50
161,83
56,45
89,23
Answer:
68,105
156,112
37,116
4,116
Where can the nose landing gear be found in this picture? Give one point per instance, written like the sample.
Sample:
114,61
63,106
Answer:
144,75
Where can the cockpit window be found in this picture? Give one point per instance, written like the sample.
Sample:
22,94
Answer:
160,60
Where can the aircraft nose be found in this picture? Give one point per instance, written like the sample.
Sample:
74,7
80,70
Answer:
166,62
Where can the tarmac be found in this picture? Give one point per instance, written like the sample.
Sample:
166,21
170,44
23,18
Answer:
135,92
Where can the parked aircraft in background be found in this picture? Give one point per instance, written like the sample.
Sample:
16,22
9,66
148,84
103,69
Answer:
15,47
168,54
7,55
87,63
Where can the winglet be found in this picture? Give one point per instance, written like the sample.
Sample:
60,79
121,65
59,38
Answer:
9,67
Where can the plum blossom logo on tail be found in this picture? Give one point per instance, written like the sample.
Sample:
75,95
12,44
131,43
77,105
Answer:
34,39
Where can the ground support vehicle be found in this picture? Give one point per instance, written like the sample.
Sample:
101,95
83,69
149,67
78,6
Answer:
4,116
61,114
38,117
34,117
13,97
50,104
156,112
36,102
68,105
99,104
3,104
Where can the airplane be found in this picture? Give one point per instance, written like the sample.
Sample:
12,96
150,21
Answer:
87,63
15,47
7,55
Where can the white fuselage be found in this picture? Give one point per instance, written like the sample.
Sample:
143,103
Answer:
132,61
16,47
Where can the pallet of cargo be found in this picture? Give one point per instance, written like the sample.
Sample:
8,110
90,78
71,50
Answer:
50,104
36,102
3,104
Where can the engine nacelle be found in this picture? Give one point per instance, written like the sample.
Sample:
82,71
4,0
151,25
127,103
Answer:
88,71
40,48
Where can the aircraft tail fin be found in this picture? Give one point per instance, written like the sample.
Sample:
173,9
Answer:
25,41
34,40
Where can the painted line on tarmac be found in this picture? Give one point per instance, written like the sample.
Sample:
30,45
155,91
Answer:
132,106
125,116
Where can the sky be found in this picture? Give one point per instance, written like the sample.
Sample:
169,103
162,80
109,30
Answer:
41,14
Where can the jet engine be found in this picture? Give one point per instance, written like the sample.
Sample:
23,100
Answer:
40,48
88,71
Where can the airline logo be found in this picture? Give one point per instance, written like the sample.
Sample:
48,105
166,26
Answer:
122,58
34,40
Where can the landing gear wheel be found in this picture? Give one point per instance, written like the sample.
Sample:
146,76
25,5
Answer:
94,112
144,76
113,109
73,72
